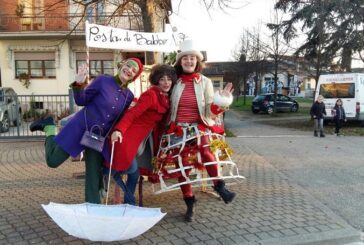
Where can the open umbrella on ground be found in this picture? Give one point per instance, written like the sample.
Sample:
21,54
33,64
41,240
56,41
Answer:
103,223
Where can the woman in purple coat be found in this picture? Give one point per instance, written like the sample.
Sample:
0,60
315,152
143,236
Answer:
104,100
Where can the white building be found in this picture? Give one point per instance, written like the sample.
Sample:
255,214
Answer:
37,45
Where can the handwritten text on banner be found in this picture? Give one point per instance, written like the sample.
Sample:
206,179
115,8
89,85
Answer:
99,36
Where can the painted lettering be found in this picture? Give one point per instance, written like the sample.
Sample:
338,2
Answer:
95,36
114,38
127,38
141,40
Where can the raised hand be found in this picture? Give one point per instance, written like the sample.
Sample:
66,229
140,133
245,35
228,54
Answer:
82,73
115,136
227,91
224,98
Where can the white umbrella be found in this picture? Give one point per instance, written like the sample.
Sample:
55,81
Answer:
103,223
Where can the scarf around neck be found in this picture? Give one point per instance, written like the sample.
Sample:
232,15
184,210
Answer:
189,77
162,97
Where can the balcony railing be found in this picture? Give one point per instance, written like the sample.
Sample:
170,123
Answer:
13,23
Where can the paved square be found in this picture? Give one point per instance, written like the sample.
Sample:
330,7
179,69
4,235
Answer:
267,209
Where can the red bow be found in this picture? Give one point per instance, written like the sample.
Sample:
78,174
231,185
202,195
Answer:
174,128
215,129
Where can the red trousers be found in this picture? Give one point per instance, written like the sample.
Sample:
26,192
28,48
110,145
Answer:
212,170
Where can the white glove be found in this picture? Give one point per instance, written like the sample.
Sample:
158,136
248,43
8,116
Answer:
115,136
82,74
224,98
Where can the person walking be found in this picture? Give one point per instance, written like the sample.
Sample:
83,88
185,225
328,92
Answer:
133,129
339,115
194,110
104,99
318,112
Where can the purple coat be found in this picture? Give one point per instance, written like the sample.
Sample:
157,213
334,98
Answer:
103,100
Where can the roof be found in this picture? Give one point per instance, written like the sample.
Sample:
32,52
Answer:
220,68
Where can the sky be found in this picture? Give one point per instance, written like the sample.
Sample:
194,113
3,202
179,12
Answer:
219,33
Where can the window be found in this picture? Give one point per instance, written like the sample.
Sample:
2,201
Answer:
33,14
284,98
36,68
98,67
35,64
216,83
38,105
338,90
99,63
94,10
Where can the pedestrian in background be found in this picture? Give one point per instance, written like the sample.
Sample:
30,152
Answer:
103,101
318,112
339,115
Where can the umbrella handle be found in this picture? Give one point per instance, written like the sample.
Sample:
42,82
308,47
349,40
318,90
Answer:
108,180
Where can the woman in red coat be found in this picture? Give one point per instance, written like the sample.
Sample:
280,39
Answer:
138,122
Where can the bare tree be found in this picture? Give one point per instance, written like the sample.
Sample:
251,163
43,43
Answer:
278,49
140,15
265,56
259,55
242,55
144,14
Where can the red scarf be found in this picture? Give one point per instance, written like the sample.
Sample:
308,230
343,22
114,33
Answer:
189,77
162,98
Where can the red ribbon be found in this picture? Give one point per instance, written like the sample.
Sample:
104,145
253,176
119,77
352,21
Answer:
174,128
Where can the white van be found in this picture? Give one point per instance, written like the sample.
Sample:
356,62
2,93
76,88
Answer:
349,87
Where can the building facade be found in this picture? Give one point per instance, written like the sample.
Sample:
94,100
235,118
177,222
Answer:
42,43
253,78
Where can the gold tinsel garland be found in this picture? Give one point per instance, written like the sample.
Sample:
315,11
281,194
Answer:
225,150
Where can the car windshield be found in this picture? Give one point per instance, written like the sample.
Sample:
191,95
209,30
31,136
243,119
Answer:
259,98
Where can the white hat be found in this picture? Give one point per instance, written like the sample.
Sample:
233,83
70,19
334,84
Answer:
187,47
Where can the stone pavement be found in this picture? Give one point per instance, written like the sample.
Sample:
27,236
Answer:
267,210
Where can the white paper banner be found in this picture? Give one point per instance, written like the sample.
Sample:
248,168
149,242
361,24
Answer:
99,36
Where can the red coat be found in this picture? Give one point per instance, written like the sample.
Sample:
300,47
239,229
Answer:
137,123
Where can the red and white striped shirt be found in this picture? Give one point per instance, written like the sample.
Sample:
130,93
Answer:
188,109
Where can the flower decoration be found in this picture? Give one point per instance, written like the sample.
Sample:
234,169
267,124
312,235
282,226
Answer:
24,78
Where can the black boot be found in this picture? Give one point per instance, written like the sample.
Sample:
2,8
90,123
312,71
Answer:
39,125
322,134
225,194
315,133
190,201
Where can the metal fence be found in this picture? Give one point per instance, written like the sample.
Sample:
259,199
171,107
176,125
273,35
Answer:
18,112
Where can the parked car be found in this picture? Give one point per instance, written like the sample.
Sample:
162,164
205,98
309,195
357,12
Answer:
265,102
10,109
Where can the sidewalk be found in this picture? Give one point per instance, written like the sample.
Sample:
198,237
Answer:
267,210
